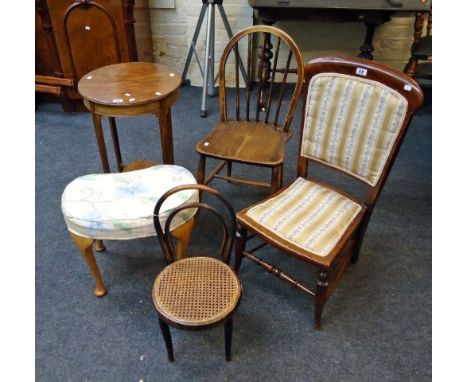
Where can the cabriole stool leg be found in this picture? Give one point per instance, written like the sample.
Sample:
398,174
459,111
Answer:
85,245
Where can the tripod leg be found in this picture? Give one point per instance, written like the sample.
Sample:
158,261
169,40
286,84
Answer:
229,33
203,111
194,42
211,87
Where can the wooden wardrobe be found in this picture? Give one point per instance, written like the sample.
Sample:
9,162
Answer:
74,37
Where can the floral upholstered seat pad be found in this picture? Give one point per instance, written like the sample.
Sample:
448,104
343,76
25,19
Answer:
307,215
121,205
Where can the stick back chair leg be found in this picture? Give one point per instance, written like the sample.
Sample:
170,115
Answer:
276,178
229,169
182,234
167,339
320,297
228,338
241,238
85,246
201,170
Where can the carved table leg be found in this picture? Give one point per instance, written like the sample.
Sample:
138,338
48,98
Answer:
85,246
264,65
410,67
367,48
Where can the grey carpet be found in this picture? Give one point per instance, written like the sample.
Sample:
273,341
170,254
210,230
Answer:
376,326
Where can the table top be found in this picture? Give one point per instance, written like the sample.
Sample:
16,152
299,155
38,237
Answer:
129,83
384,5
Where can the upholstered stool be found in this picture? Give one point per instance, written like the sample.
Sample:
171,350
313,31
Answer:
119,206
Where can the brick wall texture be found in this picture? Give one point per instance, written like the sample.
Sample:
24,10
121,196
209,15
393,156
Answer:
173,24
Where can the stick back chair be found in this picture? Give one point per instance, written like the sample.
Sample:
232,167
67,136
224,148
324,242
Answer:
256,132
355,115
196,292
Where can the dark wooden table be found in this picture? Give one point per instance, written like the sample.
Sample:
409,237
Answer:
131,89
371,13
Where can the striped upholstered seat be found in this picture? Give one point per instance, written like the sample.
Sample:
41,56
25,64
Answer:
307,215
351,123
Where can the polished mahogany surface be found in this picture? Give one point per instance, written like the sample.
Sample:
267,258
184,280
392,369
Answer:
394,5
130,83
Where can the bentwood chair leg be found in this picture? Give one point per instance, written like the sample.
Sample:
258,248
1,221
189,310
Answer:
85,246
182,234
228,338
99,246
320,297
241,237
167,339
201,170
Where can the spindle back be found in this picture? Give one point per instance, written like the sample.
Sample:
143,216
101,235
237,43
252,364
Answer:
275,58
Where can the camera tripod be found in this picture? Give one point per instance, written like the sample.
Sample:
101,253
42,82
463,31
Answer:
207,71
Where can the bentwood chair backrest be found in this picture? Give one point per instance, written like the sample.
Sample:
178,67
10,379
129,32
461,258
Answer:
227,219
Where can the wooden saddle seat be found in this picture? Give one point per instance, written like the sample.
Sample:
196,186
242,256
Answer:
119,206
255,122
239,141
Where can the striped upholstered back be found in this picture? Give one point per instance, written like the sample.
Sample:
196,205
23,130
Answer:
351,123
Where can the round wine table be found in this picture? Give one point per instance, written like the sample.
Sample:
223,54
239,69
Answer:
131,89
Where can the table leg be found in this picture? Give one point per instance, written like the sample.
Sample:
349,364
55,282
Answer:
100,141
367,48
165,127
115,140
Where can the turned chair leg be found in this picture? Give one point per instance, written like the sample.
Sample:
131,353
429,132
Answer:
359,237
241,238
85,246
182,234
228,338
201,170
320,297
167,339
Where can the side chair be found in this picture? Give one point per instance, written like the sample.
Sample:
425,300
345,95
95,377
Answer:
196,293
258,127
355,115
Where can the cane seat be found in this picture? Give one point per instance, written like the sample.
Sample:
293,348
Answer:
196,291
